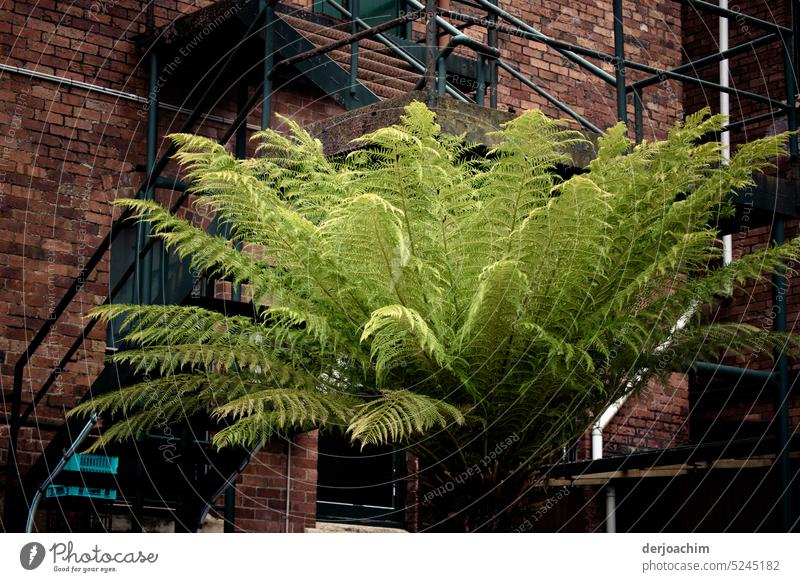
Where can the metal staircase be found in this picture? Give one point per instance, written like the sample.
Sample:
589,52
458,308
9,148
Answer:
268,46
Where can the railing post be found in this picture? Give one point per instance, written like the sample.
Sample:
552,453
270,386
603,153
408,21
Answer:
408,27
480,90
779,291
430,50
441,74
491,34
269,49
354,10
638,114
230,509
619,65
788,40
144,264
241,153
13,498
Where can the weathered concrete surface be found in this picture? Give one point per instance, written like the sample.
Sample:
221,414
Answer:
475,122
322,527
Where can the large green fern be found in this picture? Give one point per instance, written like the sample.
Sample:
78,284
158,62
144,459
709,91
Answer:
419,293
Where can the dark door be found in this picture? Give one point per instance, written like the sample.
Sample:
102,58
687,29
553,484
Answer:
355,486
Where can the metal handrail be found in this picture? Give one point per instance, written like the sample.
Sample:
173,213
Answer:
402,54
355,37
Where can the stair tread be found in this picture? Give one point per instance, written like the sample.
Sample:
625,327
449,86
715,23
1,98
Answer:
403,83
382,90
320,35
328,31
367,64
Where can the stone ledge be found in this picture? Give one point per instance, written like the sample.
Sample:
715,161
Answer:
322,527
455,117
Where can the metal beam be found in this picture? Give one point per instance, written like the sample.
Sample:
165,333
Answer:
709,59
570,55
737,16
732,371
562,106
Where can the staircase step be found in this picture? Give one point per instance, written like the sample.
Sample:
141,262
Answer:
76,491
92,464
367,61
306,26
403,81
382,90
320,35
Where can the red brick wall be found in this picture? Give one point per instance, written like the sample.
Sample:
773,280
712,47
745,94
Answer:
655,419
261,488
652,33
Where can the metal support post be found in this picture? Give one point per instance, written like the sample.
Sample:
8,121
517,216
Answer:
619,65
269,50
638,112
780,287
480,90
354,11
430,50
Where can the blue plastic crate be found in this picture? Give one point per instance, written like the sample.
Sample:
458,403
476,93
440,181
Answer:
93,464
77,491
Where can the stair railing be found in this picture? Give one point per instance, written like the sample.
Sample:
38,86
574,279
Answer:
155,167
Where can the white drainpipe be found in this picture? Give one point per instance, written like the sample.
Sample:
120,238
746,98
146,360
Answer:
610,412
597,453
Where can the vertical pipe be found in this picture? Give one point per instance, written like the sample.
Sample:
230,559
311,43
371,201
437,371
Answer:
288,483
492,39
137,507
441,75
725,109
143,265
241,131
444,39
408,30
638,113
241,153
619,66
269,44
480,90
430,50
611,509
779,290
791,88
354,12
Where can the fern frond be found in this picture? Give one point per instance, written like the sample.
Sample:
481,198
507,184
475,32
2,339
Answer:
398,414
